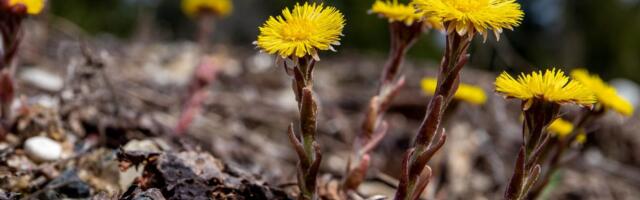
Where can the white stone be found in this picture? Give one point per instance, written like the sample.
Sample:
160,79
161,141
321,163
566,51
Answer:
141,145
42,149
128,176
3,146
42,79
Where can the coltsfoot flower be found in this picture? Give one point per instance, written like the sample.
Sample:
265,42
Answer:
467,93
581,138
560,127
470,16
34,7
302,31
398,12
606,95
551,86
218,7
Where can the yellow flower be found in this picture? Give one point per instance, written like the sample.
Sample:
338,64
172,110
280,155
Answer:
34,7
607,95
581,138
469,93
469,16
434,23
302,31
560,127
218,7
551,86
396,12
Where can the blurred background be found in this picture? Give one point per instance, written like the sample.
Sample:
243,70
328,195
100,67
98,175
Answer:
117,73
599,35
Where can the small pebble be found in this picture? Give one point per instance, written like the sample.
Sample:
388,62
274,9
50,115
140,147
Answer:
42,79
141,145
126,178
42,149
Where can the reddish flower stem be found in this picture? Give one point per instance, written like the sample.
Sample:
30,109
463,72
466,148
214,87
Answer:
373,127
203,76
10,28
413,179
205,29
306,146
538,114
562,146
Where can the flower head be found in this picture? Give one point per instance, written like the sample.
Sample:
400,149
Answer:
607,95
396,12
469,16
302,31
560,127
551,86
218,7
468,93
34,7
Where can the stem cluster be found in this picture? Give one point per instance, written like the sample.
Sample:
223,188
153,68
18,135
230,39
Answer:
306,147
538,114
374,127
415,172
558,148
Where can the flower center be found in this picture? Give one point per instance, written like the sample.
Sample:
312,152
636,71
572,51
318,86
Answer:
297,30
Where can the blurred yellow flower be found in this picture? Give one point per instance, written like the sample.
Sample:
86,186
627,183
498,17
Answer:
468,93
218,7
551,86
34,7
469,16
581,138
560,127
302,31
607,95
396,12
434,23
